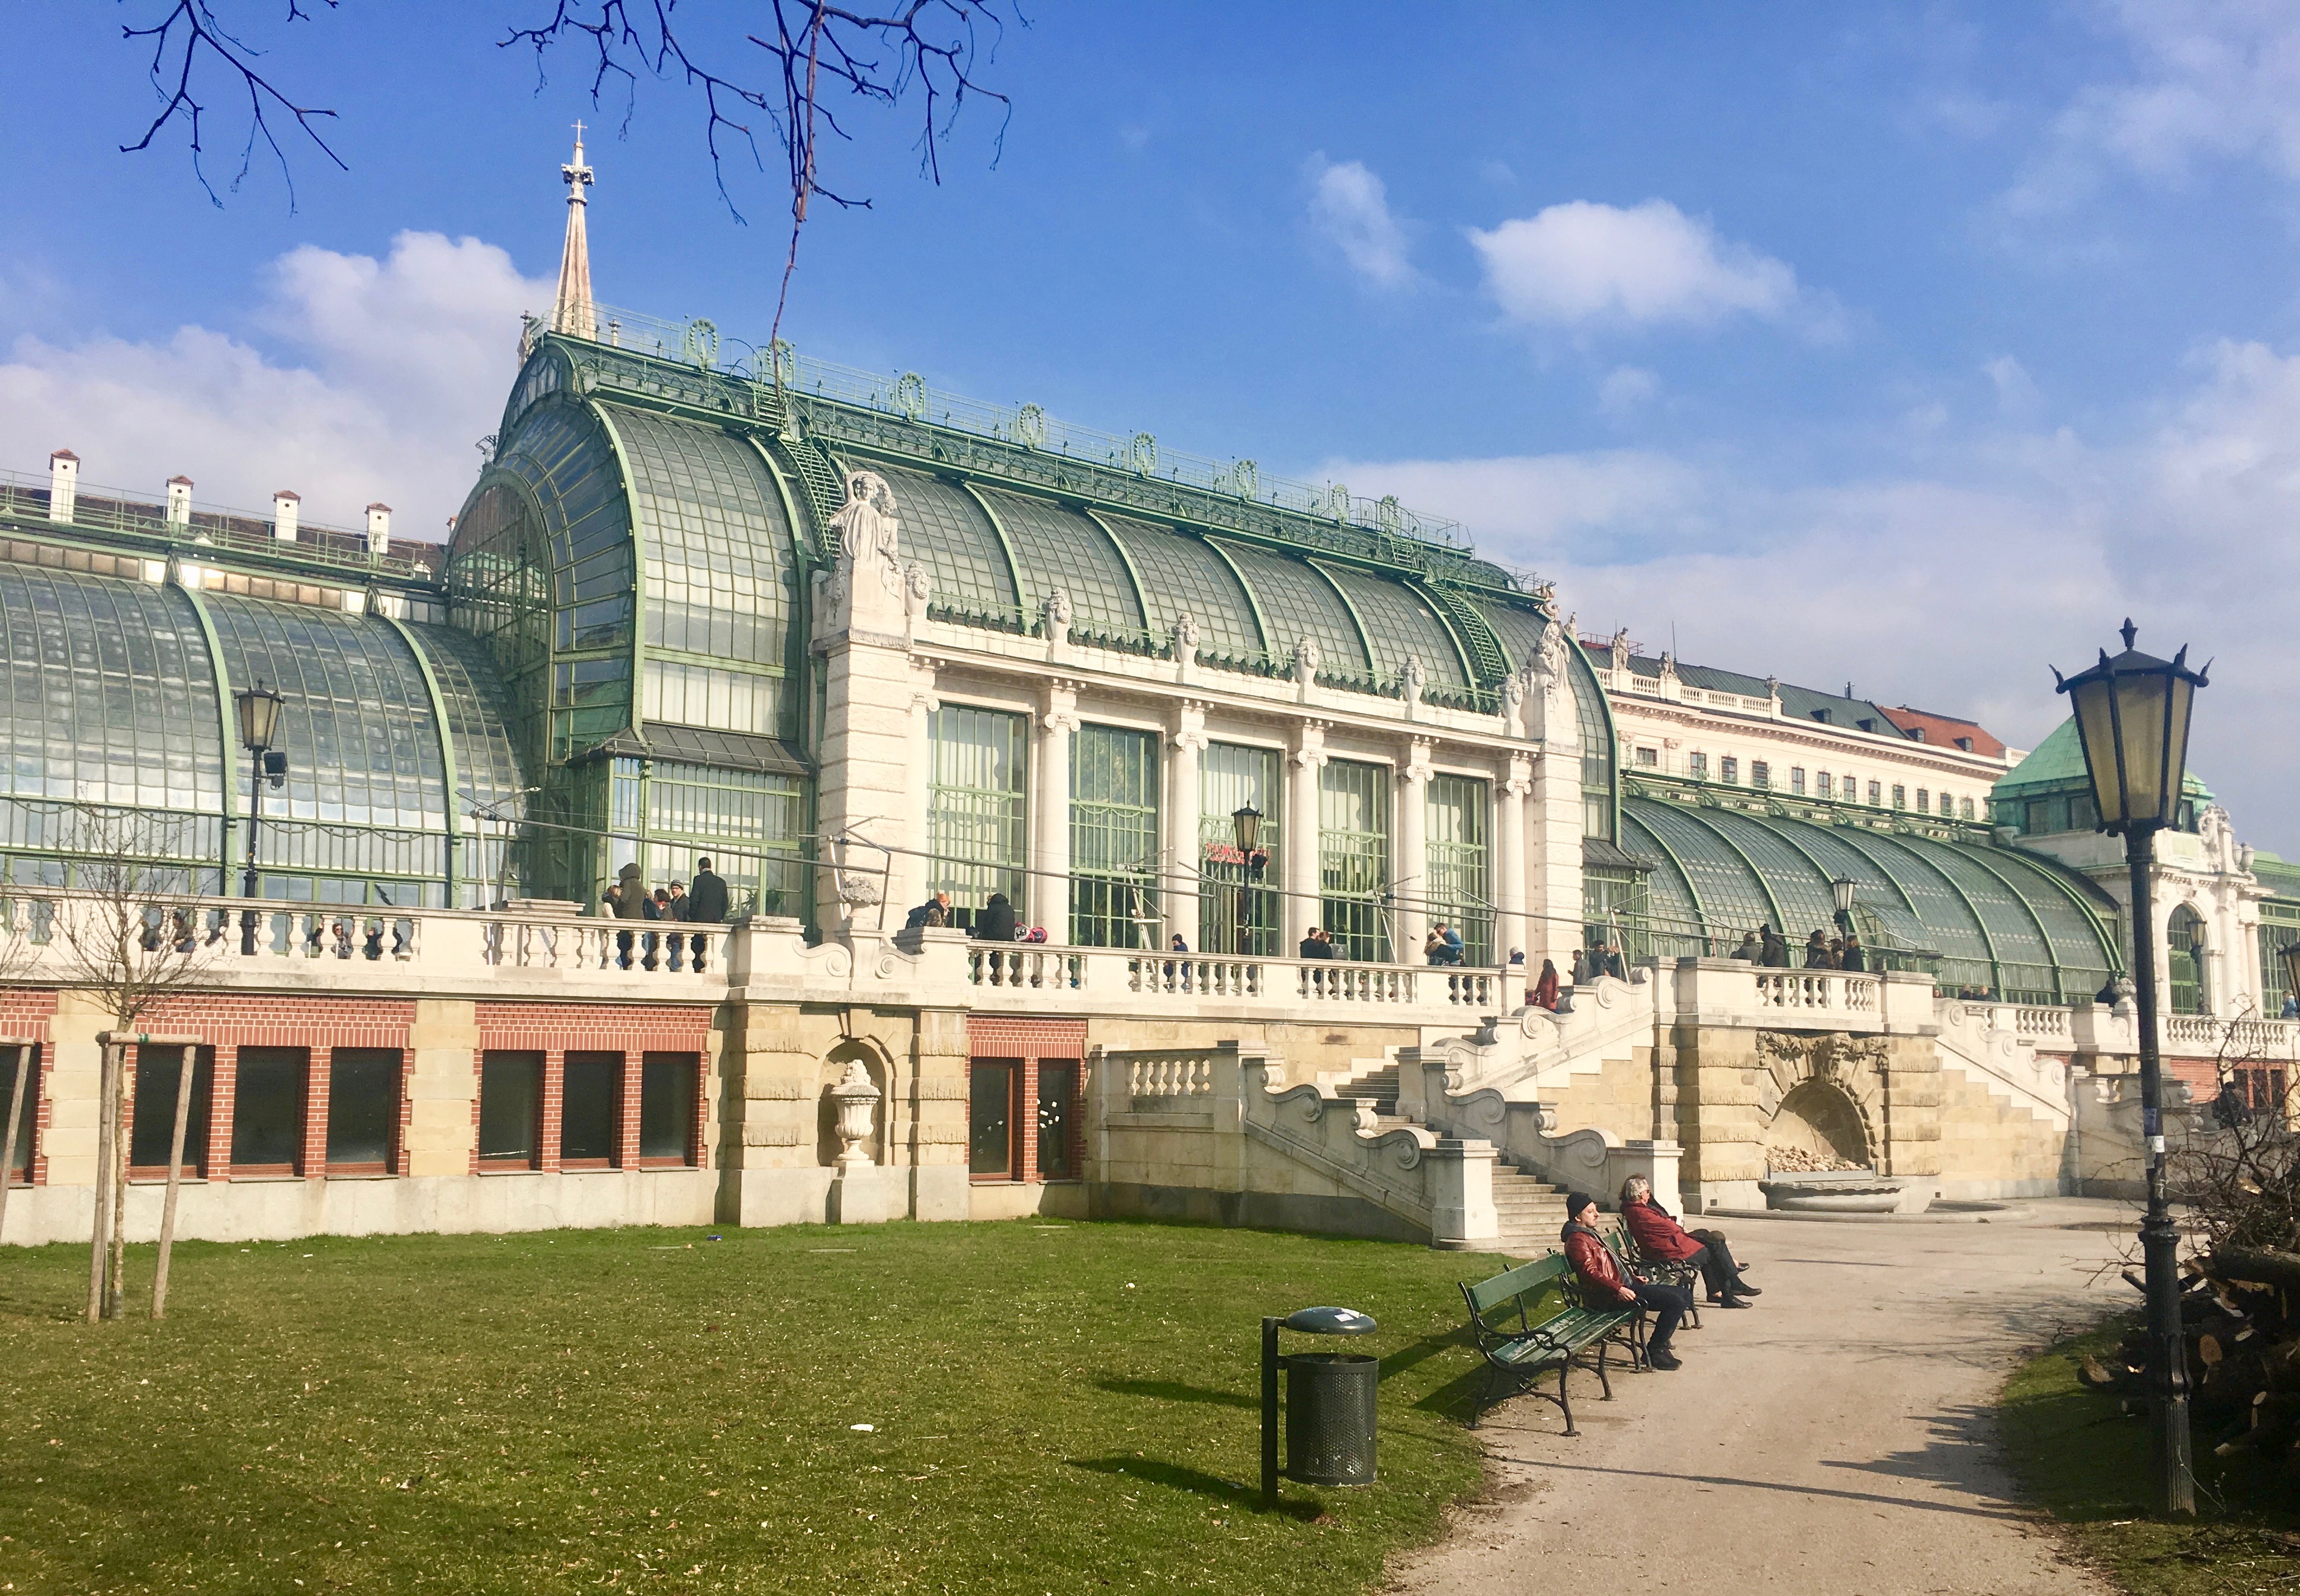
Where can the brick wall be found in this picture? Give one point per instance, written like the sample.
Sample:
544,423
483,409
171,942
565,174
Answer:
25,1011
1031,1043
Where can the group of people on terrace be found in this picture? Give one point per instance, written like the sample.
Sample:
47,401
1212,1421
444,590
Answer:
1663,1259
628,899
1766,947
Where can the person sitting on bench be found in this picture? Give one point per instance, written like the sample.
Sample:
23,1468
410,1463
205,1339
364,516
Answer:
1604,1284
1659,1235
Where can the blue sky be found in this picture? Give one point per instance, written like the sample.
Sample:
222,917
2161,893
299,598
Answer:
1913,346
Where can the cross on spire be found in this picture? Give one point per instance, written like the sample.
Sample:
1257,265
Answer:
577,173
572,313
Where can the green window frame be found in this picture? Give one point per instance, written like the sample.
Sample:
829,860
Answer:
1113,838
1238,903
750,824
976,833
1353,879
2184,942
1458,870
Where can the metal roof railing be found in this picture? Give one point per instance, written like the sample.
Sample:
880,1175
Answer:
782,369
113,511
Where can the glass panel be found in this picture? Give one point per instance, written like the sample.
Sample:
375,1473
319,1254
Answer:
739,701
974,806
1731,899
511,1106
590,1105
267,1110
667,1107
1056,547
1057,1119
1298,603
159,1071
1113,838
947,531
719,578
990,1112
1181,575
1401,622
1677,927
2184,940
1238,902
748,823
1459,889
362,1107
1354,858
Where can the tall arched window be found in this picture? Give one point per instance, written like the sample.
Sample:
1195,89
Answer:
2183,941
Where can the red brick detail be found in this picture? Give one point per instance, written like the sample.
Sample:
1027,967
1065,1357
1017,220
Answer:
223,1090
698,1148
479,1064
402,1159
314,1164
993,1037
2201,1076
551,1109
25,1011
627,1111
625,1028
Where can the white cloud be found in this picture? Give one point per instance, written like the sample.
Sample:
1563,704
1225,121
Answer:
1350,206
388,373
1582,263
1626,390
1957,588
2016,390
2212,80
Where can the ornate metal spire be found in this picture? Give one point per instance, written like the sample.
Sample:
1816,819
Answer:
572,314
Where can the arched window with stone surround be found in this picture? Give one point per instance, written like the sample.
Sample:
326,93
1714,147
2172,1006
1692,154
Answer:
2184,948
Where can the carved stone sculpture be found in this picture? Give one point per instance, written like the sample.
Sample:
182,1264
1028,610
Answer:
1186,636
856,1101
870,553
1306,661
1055,613
1413,679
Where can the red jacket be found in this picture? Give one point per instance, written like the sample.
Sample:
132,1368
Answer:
1657,1235
1593,1260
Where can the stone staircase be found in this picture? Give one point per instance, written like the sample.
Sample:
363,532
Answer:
1532,1211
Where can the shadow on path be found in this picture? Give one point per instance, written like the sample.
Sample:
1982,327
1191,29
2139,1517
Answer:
1777,1485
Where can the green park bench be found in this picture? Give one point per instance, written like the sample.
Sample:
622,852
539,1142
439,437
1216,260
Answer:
1636,1261
1531,1320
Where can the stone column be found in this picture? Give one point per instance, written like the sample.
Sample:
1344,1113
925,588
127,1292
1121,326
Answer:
914,869
1300,828
1409,870
1050,813
1510,874
1554,816
1184,856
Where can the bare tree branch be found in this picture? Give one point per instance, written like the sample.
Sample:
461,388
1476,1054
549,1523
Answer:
180,40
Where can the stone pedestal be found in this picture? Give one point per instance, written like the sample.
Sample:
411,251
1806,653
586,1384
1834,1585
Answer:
865,1194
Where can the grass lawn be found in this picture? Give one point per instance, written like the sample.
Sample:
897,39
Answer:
2080,1459
1067,1407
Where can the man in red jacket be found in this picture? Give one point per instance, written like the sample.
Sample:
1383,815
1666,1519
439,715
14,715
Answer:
1605,1285
1659,1235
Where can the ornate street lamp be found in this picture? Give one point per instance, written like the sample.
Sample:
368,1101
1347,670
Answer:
259,727
2133,718
1841,889
1248,823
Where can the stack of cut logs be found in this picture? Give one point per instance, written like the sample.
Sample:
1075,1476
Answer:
2240,1318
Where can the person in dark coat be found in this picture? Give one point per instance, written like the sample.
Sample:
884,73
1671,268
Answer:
706,905
1852,960
1816,952
1774,953
995,922
934,912
1605,1285
1748,952
1660,1235
1608,958
632,903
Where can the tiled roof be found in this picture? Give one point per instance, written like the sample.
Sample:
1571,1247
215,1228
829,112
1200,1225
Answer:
1799,703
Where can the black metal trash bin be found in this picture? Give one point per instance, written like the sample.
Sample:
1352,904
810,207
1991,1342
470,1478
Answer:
1329,1417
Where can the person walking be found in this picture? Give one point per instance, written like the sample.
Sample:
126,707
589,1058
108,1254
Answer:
1545,990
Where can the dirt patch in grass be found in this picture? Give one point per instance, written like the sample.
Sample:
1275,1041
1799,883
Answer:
1050,1409
2080,1458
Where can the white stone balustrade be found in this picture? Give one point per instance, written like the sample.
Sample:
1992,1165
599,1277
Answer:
1730,992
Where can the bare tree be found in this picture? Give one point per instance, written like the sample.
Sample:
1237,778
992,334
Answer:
132,933
812,55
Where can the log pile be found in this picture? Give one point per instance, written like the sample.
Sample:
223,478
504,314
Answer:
2240,1323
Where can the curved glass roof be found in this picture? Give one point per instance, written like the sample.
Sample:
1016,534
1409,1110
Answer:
1180,573
1054,547
115,701
1402,620
719,575
947,529
1297,602
2001,921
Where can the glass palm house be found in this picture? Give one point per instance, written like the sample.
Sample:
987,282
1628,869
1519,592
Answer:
609,665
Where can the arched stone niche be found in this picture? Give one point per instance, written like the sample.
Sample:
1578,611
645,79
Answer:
827,1144
1822,1093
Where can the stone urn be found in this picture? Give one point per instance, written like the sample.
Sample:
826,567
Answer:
857,1101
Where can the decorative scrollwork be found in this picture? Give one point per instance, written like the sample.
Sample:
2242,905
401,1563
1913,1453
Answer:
911,396
1246,476
1031,426
702,343
1142,454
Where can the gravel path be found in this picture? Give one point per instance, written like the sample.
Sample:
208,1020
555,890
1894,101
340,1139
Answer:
1836,1438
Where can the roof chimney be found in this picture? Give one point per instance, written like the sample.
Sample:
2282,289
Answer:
180,501
378,528
63,485
283,514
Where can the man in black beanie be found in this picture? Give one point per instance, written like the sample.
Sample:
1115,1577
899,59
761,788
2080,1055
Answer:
1604,1282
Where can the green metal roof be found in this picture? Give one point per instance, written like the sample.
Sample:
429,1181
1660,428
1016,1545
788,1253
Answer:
2001,919
2058,763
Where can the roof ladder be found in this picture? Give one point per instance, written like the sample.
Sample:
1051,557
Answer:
1489,662
819,475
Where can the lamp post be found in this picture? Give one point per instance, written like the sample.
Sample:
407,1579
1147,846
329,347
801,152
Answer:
2132,717
259,727
1246,824
1841,889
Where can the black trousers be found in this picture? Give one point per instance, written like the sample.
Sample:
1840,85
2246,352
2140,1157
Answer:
1667,1304
1719,1273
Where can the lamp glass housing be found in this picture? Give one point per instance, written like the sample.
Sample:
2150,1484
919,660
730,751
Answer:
259,718
2133,718
1248,823
2290,954
1842,887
